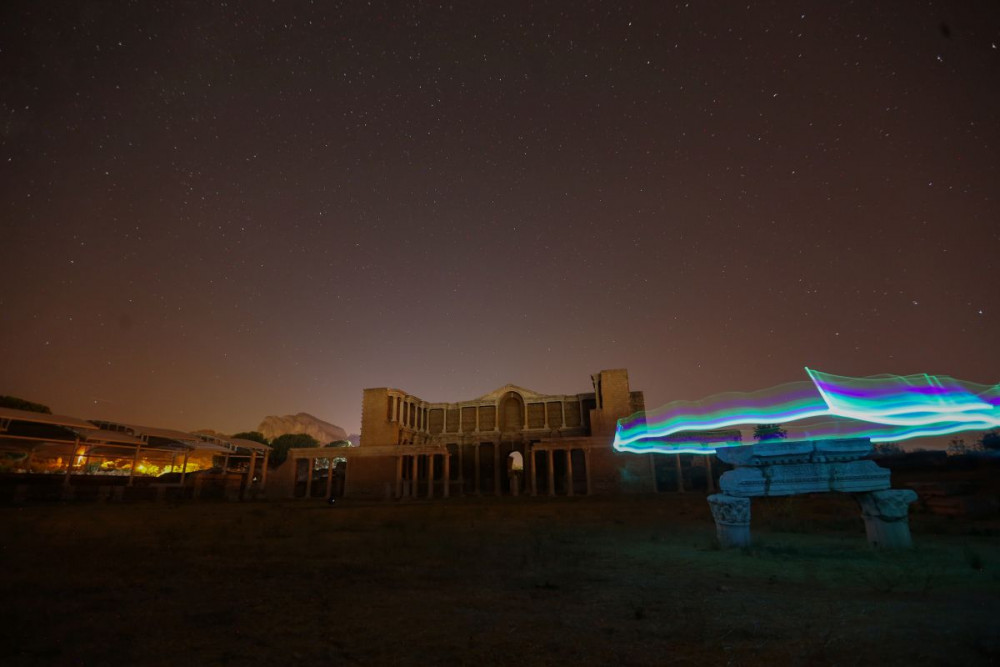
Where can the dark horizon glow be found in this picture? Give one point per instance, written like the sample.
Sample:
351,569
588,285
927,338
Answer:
215,212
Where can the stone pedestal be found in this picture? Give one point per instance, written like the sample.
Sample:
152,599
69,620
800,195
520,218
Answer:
732,520
887,517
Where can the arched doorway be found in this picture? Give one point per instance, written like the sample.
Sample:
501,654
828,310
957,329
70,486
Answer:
511,412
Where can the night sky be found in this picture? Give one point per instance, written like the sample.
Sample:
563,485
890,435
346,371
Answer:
213,212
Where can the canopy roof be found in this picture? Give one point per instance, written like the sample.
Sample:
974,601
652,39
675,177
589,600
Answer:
249,444
10,414
109,437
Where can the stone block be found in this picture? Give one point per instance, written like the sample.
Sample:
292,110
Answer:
791,479
783,452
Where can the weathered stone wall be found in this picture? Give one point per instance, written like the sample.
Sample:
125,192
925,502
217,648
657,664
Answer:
572,414
615,401
468,419
452,420
536,415
376,429
370,477
435,421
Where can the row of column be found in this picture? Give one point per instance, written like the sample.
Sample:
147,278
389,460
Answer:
400,406
496,416
310,469
415,463
679,468
403,409
551,470
530,468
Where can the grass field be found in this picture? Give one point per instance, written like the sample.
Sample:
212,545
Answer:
586,581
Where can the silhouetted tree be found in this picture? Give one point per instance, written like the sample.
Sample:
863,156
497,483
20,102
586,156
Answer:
16,403
769,432
957,447
887,449
991,441
256,436
281,445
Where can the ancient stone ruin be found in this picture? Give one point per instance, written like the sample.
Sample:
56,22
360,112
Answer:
784,468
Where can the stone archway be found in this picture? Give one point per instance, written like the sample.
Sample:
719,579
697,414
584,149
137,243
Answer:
511,412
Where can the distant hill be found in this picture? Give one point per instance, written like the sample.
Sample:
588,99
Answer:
323,432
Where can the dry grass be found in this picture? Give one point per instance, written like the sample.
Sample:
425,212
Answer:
633,581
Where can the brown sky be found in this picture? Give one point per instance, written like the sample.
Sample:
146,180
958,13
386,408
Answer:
212,213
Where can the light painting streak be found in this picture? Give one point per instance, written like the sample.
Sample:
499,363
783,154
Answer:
883,408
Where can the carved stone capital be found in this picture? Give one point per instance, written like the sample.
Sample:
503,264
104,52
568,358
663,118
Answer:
729,510
887,505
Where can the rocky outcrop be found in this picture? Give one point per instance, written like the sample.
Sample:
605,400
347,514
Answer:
323,432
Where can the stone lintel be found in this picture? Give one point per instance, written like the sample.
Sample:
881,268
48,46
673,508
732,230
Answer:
778,452
791,479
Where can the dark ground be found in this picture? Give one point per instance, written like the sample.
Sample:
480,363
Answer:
586,581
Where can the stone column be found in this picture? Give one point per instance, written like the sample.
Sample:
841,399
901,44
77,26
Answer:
447,474
586,463
395,408
887,517
477,419
732,520
399,476
478,472
413,479
562,405
529,466
460,418
444,420
461,470
496,469
329,477
545,415
430,474
552,474
569,472
309,476
534,475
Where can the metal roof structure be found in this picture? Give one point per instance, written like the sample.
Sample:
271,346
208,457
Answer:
8,415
